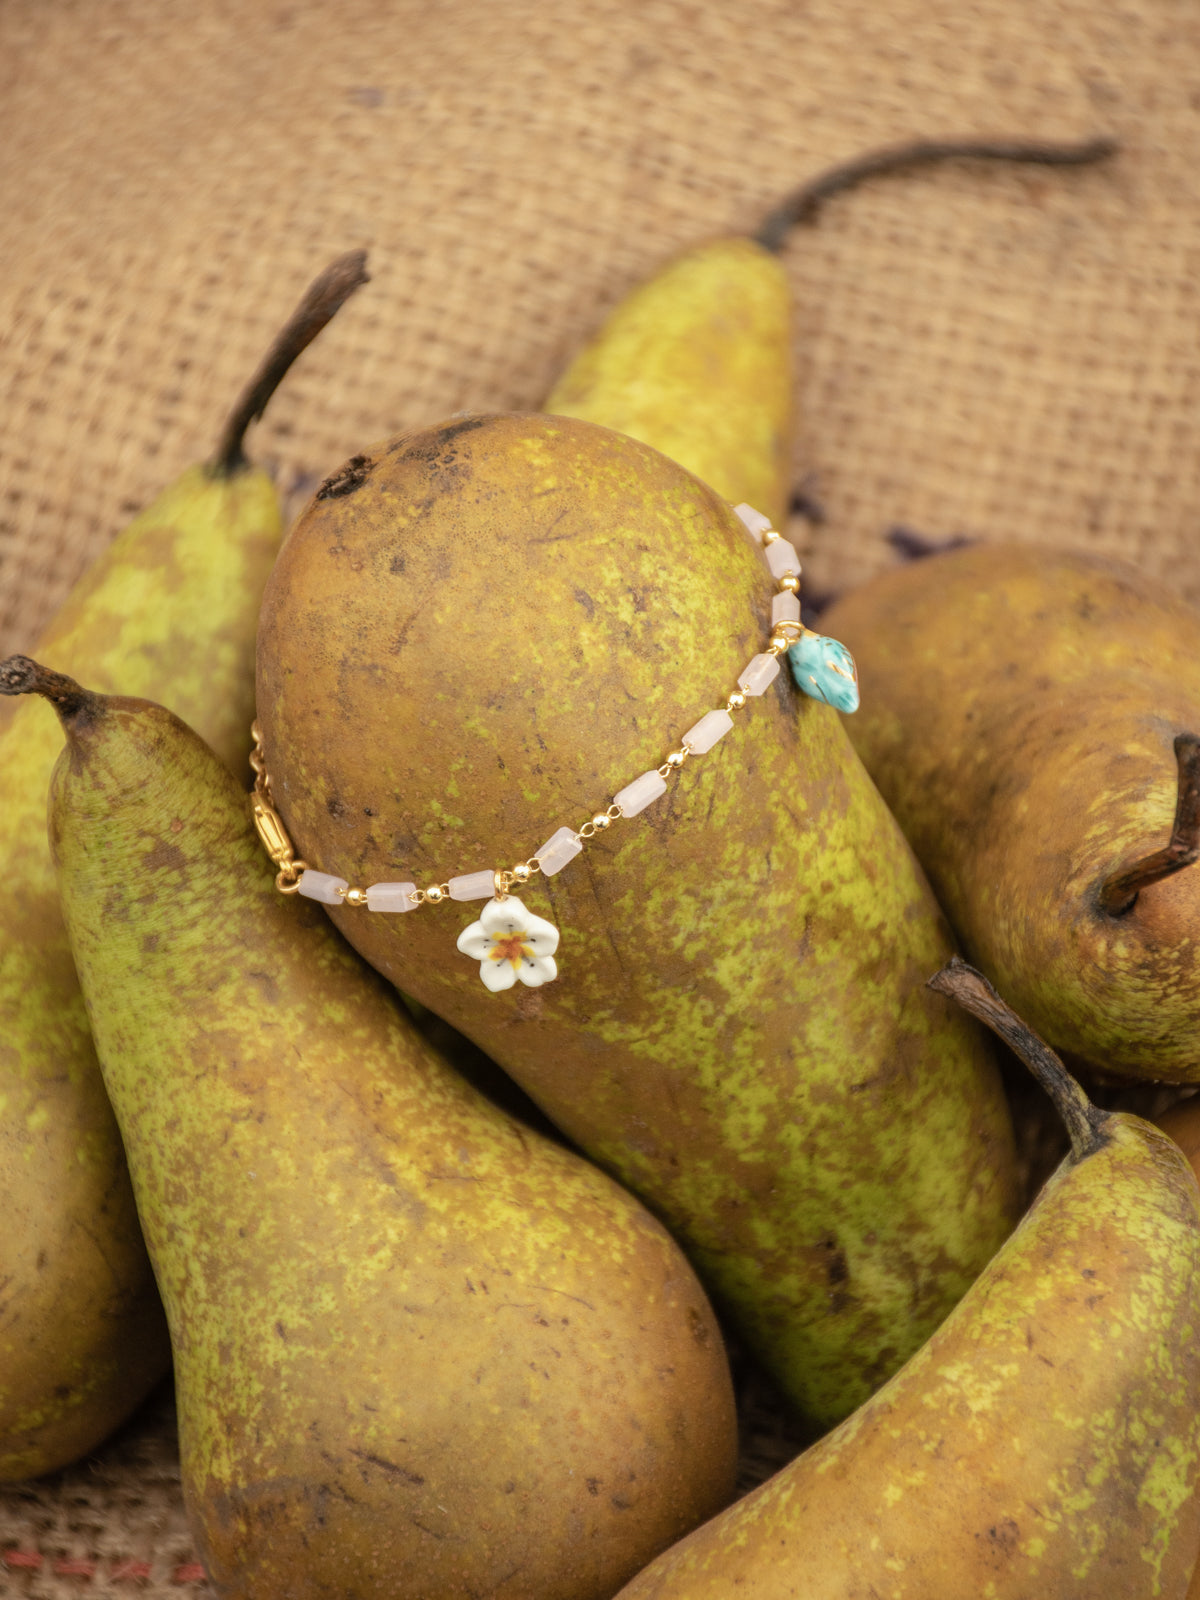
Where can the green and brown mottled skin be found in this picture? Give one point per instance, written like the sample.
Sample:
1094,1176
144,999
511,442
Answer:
1019,708
697,362
169,609
420,1350
1046,1440
498,625
1182,1122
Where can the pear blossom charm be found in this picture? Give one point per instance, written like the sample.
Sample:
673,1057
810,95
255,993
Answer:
509,942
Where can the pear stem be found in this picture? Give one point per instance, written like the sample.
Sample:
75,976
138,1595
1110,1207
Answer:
803,204
21,675
1084,1121
1119,891
323,298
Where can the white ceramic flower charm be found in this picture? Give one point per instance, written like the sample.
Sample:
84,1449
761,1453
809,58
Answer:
509,942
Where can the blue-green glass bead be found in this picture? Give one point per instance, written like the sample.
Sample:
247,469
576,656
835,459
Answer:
825,669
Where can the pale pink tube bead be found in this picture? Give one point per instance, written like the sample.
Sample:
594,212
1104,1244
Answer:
636,796
559,848
322,886
391,897
759,673
782,558
473,886
785,607
713,725
754,521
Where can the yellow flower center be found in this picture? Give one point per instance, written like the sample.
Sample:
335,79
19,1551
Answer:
509,947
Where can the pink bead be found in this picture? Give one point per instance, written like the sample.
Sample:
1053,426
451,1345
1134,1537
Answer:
473,886
782,558
636,796
559,848
756,524
760,672
391,897
712,726
322,886
785,607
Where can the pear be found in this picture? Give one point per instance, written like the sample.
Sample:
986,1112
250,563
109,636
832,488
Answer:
170,609
1182,1123
1031,718
475,636
697,360
1046,1440
419,1349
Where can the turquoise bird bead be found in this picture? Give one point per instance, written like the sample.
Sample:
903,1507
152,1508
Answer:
825,669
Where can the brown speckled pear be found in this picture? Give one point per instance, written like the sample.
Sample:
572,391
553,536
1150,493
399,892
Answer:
478,634
168,610
419,1349
1045,1442
1020,713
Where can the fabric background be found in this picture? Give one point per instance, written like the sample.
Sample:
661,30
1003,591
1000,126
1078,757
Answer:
999,352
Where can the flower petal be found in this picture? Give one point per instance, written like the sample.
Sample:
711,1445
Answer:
504,916
542,935
539,970
474,941
497,975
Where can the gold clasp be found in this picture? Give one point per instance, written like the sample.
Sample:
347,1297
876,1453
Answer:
272,832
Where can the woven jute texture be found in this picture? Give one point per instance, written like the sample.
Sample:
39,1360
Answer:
997,352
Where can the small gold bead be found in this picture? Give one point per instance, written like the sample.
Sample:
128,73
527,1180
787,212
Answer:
676,759
791,583
434,894
777,646
601,821
355,897
521,873
771,536
736,701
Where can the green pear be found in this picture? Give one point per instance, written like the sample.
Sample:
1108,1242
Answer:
1030,716
476,636
697,360
169,609
1046,1440
419,1349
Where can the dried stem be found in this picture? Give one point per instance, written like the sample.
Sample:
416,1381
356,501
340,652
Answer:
1119,892
323,299
974,993
803,205
21,675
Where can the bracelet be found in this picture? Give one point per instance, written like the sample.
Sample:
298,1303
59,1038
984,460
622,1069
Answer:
508,941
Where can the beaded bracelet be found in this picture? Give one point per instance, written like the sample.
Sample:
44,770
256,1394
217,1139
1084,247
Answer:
508,941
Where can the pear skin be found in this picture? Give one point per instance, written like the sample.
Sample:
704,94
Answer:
170,610
1046,1440
419,1349
481,632
1182,1123
1021,709
697,362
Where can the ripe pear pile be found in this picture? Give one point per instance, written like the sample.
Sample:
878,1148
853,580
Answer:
420,1348
170,609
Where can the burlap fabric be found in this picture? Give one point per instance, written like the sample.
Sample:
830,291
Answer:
1005,353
